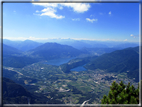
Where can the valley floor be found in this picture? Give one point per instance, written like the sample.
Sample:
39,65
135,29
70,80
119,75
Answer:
67,88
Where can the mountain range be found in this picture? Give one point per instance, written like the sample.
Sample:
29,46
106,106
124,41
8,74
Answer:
112,59
22,45
21,70
78,44
54,50
13,57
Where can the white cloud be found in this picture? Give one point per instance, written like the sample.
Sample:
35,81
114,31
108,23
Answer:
42,38
50,9
51,13
91,20
77,19
94,39
109,13
77,7
46,4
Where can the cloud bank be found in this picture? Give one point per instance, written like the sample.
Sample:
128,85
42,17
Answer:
46,39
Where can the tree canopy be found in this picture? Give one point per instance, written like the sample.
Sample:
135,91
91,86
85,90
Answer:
121,94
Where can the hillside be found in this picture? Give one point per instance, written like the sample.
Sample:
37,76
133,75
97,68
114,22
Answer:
8,50
126,60
98,51
54,50
14,93
18,61
13,57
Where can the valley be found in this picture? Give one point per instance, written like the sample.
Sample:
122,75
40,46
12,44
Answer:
68,75
74,87
70,53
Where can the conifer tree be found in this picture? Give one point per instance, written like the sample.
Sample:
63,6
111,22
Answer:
121,94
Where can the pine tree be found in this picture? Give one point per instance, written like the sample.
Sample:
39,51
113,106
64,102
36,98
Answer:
121,94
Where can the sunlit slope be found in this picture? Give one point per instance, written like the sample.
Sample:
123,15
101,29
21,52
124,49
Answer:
126,60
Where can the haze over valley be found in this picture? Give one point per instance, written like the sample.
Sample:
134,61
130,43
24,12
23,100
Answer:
53,73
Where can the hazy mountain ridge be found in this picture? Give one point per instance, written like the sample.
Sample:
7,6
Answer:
54,50
22,45
83,44
99,51
78,44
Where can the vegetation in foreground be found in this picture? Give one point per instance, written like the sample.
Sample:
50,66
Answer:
121,94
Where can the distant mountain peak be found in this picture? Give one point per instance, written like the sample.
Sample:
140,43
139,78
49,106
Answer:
52,50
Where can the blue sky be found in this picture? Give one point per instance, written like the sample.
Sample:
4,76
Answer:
87,21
